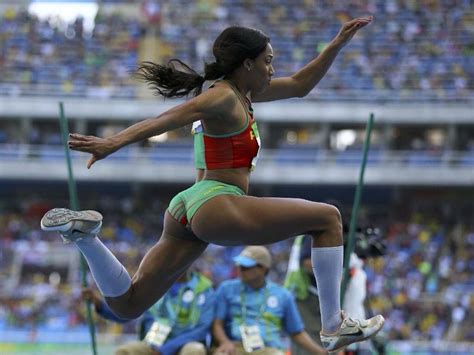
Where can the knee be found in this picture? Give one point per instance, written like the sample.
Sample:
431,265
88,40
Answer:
129,315
334,217
193,348
126,314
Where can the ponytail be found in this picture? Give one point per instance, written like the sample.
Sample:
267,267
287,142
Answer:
230,49
168,81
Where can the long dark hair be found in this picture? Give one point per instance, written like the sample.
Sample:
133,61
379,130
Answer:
231,48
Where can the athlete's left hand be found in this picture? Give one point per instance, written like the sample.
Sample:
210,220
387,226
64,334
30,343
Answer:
349,29
98,147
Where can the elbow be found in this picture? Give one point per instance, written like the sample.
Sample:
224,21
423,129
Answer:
300,87
302,92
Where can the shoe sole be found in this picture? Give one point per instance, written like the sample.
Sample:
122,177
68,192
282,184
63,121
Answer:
56,218
359,340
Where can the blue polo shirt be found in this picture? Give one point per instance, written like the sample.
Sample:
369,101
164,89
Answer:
190,307
271,307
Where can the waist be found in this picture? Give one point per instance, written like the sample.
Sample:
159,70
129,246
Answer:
239,177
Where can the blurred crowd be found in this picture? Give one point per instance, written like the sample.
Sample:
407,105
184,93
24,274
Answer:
414,50
304,145
424,286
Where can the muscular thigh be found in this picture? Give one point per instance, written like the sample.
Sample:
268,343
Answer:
159,269
234,220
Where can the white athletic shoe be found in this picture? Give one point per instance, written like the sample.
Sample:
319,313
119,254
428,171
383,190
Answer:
351,331
72,225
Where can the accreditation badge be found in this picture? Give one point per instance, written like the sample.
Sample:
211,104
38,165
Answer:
159,331
251,338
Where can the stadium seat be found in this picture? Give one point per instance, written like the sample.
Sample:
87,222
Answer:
423,158
297,154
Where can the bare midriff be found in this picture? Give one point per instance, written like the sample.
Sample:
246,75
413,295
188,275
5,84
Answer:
238,176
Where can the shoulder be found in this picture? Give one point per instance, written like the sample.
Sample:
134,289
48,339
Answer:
279,290
215,101
230,285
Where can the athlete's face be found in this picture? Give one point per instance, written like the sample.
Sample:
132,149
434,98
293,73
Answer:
262,70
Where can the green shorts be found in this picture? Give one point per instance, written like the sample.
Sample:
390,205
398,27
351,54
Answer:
185,204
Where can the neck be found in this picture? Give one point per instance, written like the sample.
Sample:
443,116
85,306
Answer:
256,284
239,82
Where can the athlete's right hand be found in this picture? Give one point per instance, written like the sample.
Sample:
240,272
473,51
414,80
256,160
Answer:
350,28
98,147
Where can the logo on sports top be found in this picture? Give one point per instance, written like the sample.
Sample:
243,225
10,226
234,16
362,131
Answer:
272,302
201,300
188,296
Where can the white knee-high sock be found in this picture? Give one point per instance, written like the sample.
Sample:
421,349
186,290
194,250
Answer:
111,277
327,267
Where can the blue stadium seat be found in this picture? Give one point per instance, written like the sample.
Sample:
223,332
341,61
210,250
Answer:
354,157
10,151
467,158
297,154
423,158
173,153
51,152
123,154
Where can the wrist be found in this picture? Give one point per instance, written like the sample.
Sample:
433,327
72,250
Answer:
335,45
115,143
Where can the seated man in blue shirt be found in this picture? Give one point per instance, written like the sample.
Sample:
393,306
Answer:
252,312
177,324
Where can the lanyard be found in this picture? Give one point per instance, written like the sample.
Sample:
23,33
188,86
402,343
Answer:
260,312
174,310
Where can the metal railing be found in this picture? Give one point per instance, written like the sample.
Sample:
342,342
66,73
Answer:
299,156
135,91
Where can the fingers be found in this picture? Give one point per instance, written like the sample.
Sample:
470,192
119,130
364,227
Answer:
91,161
83,144
87,144
77,140
363,21
366,19
359,22
77,136
351,27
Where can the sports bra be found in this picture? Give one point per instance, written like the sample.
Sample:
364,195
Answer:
227,151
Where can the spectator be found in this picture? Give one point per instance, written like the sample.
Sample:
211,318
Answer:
177,324
420,51
251,311
301,282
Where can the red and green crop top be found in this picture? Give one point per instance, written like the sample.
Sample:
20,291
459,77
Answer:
235,150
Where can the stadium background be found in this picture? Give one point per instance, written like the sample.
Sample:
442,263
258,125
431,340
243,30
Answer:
413,67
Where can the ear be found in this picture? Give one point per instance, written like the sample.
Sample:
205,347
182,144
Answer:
248,64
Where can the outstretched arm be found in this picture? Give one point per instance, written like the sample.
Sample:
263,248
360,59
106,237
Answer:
305,79
209,105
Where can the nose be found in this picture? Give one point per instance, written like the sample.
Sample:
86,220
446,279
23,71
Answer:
272,71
